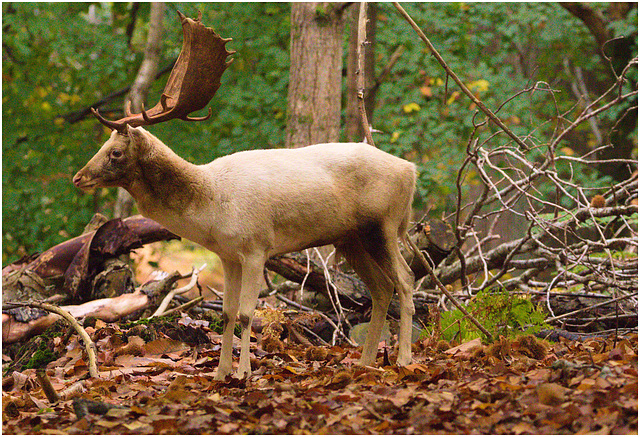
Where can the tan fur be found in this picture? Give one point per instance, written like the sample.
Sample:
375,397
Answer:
252,205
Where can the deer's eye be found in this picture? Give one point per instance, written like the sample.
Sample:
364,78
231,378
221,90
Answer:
116,154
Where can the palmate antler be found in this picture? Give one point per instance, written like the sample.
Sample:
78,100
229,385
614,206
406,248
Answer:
194,80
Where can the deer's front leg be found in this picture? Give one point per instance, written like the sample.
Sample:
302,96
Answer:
231,301
251,281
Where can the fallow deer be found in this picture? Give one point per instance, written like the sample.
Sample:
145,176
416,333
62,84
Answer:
249,206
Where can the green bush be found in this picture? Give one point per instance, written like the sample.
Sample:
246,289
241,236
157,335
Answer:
501,313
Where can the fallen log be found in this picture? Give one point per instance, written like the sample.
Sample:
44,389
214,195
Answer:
433,236
55,261
108,310
81,260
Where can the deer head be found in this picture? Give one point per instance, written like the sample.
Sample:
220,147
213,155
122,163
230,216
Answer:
194,80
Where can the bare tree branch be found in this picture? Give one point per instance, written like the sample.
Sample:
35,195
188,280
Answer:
360,82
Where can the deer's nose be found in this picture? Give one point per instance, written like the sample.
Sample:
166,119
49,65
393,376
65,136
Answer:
77,179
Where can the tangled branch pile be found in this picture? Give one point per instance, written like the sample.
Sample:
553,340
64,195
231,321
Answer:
576,238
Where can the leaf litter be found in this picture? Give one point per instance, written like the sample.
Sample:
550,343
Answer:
166,386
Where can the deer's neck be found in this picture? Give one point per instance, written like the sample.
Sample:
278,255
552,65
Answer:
165,184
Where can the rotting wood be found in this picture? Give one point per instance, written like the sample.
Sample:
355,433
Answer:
39,276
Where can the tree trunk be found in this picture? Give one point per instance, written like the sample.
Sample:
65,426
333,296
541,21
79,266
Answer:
315,74
315,77
353,129
140,89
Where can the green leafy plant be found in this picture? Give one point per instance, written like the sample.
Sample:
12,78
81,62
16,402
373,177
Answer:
501,313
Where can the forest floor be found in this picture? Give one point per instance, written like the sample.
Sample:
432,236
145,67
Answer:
165,385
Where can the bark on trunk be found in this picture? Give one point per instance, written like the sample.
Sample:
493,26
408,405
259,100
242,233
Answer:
315,74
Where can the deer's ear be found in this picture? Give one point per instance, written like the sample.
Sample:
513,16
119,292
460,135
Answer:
136,135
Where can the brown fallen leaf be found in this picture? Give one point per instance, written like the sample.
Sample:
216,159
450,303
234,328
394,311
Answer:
133,347
164,346
464,350
550,393
523,428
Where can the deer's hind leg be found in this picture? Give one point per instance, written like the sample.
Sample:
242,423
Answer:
381,244
402,277
381,289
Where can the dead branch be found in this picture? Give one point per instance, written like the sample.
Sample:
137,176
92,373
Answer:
362,40
337,329
47,388
178,291
583,239
108,309
446,292
598,305
81,114
184,307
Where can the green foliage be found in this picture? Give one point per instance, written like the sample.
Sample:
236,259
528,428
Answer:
216,324
170,318
487,44
501,313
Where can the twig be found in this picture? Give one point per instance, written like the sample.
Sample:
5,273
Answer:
215,305
565,232
47,388
306,275
386,70
324,316
89,345
317,337
81,114
362,36
183,307
167,299
335,301
219,294
565,315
